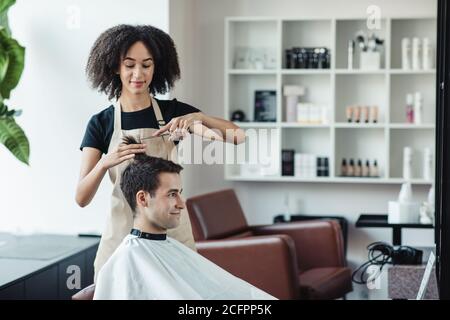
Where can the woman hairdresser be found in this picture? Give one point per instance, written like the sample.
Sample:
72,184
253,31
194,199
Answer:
131,64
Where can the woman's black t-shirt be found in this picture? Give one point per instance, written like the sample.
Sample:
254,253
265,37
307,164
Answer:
101,125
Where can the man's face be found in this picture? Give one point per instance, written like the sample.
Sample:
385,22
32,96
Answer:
164,208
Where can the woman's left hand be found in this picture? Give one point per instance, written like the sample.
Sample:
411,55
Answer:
180,127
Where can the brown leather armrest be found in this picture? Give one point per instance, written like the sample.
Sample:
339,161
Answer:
267,262
85,294
318,243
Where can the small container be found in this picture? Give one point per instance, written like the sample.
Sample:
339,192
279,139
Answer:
374,172
344,168
409,108
365,114
349,114
366,169
357,114
358,168
374,114
406,54
407,163
351,168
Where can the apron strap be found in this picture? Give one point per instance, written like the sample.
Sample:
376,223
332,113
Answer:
158,114
117,132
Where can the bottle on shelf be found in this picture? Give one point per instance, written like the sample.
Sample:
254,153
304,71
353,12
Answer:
406,54
427,164
374,114
407,163
349,113
350,50
344,168
366,169
409,108
365,114
416,54
374,172
357,114
418,108
427,55
351,168
358,168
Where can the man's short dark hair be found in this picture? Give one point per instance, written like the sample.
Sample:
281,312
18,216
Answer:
112,45
143,174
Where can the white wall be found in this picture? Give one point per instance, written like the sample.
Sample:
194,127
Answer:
203,25
57,103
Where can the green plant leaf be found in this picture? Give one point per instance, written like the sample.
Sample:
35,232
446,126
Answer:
4,63
14,139
16,56
5,4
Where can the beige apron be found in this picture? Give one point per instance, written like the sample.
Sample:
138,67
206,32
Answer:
120,222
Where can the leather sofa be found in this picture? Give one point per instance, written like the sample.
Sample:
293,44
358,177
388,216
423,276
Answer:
321,270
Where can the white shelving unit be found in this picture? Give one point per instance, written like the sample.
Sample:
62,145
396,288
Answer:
336,88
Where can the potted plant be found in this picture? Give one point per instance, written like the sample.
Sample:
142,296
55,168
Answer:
11,66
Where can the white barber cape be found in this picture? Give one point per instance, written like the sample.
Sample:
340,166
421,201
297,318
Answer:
143,268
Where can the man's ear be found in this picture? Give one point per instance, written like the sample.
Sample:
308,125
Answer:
141,199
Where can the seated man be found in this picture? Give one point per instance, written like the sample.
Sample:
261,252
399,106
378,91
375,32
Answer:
150,265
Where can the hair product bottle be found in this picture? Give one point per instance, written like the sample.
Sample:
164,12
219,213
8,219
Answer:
349,113
344,168
365,114
428,164
366,169
409,108
374,172
416,56
357,114
418,108
351,168
406,54
427,54
358,168
407,163
374,114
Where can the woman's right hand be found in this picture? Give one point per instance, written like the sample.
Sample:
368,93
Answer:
120,154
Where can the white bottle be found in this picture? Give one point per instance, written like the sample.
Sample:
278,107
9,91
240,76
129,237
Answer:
418,108
406,54
405,194
286,213
407,163
351,45
292,93
428,164
291,108
416,54
427,55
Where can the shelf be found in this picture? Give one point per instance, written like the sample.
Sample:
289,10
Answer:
334,90
256,124
401,71
359,71
303,125
305,71
326,180
359,125
411,126
252,71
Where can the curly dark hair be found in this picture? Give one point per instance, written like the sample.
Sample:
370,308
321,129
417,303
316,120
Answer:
143,174
112,45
